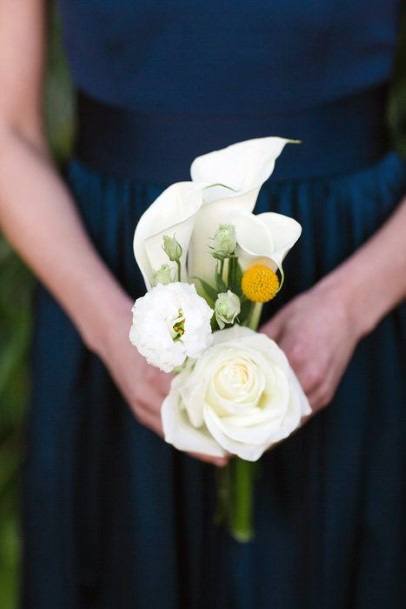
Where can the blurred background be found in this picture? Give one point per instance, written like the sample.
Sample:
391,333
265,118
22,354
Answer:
16,289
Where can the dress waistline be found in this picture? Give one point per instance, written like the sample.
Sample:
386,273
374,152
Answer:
337,138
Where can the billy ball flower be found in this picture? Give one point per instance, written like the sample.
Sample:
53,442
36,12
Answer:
170,323
260,283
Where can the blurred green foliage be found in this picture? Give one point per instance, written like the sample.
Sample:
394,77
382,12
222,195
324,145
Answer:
16,285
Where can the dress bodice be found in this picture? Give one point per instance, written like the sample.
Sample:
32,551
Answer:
228,56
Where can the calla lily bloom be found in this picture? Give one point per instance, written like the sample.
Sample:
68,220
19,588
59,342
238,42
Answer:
224,189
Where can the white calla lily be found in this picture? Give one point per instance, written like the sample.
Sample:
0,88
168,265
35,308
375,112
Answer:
172,213
224,189
236,173
268,236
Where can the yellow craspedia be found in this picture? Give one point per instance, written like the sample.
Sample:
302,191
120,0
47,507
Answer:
259,283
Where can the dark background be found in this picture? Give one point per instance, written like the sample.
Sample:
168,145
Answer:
16,288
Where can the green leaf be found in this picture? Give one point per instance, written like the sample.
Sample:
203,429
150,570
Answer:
206,291
235,276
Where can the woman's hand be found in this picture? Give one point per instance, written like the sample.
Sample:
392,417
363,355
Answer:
318,335
143,386
320,329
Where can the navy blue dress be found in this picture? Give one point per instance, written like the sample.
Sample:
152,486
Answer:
114,517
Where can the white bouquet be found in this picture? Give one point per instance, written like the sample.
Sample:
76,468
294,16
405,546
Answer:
209,264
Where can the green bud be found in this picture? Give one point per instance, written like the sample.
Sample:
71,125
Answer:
224,241
172,248
226,308
165,274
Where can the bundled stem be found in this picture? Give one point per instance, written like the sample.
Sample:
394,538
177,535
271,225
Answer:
236,481
242,516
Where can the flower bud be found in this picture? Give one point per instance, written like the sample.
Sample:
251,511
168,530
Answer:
224,241
226,308
172,248
165,274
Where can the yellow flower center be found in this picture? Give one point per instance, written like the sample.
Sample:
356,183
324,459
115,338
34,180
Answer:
260,283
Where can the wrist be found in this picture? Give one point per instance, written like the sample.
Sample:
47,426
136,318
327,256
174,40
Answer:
108,319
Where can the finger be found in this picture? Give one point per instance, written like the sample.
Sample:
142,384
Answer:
321,397
310,378
218,461
150,397
149,420
273,328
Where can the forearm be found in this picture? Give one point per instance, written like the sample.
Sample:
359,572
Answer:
39,218
373,280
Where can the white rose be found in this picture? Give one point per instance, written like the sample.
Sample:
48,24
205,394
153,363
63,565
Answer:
240,397
170,323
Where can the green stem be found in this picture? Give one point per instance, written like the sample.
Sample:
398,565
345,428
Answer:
179,270
221,271
242,516
255,316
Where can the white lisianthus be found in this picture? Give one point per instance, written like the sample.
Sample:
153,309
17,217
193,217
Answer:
226,308
170,323
240,397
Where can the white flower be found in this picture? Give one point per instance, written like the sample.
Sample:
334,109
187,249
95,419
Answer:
226,308
170,323
224,189
240,397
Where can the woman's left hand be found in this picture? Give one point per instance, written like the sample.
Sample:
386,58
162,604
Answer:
318,335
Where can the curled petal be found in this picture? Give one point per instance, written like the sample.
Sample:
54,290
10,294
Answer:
267,236
180,433
284,231
238,168
172,213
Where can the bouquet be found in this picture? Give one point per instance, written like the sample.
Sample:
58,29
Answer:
209,265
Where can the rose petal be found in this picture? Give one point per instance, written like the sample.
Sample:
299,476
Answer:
180,433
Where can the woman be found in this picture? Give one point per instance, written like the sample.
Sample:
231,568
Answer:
114,517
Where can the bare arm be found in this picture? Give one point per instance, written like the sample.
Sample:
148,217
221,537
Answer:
374,277
39,218
36,211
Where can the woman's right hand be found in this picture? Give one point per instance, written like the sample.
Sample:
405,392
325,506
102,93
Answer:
143,386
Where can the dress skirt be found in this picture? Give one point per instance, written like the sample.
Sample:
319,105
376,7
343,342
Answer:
114,518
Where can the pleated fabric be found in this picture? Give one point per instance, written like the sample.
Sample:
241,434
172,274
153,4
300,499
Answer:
115,518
